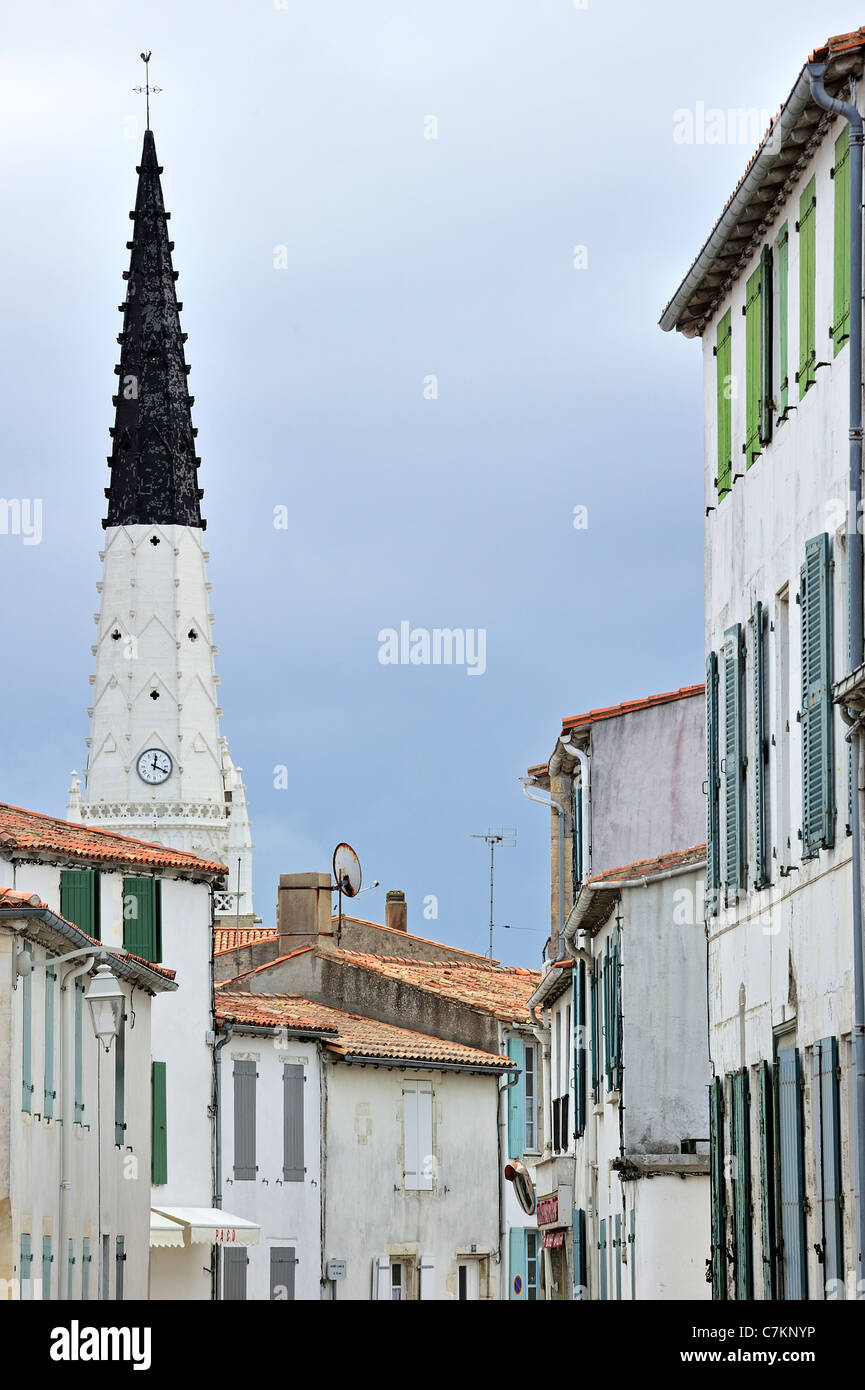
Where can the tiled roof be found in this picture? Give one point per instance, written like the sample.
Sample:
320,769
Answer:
22,830
491,989
457,951
232,938
595,716
644,868
353,1035
10,899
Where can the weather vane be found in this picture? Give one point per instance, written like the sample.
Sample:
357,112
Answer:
146,89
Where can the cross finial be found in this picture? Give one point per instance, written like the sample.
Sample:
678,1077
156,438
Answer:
146,89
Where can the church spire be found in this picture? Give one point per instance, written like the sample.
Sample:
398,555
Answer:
153,463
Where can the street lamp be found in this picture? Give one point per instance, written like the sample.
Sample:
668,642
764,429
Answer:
106,1000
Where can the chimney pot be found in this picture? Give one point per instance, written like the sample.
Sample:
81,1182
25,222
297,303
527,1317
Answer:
395,910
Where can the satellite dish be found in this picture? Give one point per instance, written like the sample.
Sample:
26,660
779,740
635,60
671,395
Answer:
346,870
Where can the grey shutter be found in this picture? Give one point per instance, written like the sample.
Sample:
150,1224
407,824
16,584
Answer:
818,803
790,1128
827,1137
119,1262
713,782
718,1189
292,1122
733,763
244,1120
282,1263
234,1262
767,1178
761,755
740,1153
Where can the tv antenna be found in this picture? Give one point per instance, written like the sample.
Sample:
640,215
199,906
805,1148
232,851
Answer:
493,839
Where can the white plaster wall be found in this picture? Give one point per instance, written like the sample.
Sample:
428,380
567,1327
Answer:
369,1213
672,1238
289,1214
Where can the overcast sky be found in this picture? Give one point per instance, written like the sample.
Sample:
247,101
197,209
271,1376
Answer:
302,125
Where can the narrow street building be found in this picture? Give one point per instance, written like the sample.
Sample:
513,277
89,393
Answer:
769,297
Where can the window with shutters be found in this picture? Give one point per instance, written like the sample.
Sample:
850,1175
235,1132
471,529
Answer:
47,1262
718,1189
27,1036
768,1179
78,1051
602,1258
245,1078
734,764
533,1270
724,405
595,1039
783,374
612,1011
826,1132
120,1083
762,851
766,345
283,1262
740,1159
712,789
577,840
753,310
25,1264
418,1135
234,1263
581,1265
50,999
530,1096
293,1084
79,899
142,917
790,1128
840,330
579,987
807,228
515,1097
815,599
159,1150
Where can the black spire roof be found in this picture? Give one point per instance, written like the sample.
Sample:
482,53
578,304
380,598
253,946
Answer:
153,463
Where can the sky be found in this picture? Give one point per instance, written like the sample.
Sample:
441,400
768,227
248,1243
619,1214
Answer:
423,248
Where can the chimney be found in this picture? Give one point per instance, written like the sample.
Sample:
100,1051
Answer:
302,910
395,910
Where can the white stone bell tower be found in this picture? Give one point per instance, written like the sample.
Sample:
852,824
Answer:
158,767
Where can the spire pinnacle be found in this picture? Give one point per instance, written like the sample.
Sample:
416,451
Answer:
146,89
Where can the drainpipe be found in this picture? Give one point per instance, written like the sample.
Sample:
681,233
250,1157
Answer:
855,640
561,812
219,1042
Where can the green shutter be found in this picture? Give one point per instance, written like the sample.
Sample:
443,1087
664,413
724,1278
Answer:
581,1264
579,987
761,757
713,783
85,1268
78,1032
740,1150
719,1199
26,1036
516,1101
79,899
595,1014
827,1138
818,802
793,1200
142,925
783,282
47,1262
602,1258
767,329
734,764
753,312
50,1093
159,1159
807,287
840,330
767,1179
723,362
517,1271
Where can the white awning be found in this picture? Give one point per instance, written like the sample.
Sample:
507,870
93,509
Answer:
164,1231
208,1226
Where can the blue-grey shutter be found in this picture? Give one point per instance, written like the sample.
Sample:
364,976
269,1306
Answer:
818,802
47,1262
602,1258
517,1265
120,1082
734,764
579,986
740,1150
608,1015
292,1120
282,1265
595,1019
244,1120
119,1262
234,1262
767,1179
617,1242
26,1262
632,1257
615,1012
790,1133
581,1271
85,1268
26,1037
718,1189
827,1136
761,756
79,1051
50,1093
713,783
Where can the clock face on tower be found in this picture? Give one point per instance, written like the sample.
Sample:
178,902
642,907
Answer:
154,766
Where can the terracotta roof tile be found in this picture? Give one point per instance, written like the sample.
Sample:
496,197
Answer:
10,898
595,716
232,938
643,868
493,989
30,830
354,1035
456,951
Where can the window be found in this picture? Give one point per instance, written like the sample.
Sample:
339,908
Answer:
579,988
47,1261
740,1159
806,375
713,783
734,764
826,1126
120,1082
840,330
815,598
119,1262
26,1261
159,1151
581,1273
78,1027
753,361
26,1038
532,1267
79,899
718,1189
397,1287
577,841
292,1122
761,755
790,1128
612,1012
595,1042
234,1263
530,1096
418,1135
515,1094
468,1281
724,398
282,1265
245,1076
782,727
142,917
50,1093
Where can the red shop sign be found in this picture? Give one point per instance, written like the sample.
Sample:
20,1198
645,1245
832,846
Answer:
548,1210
